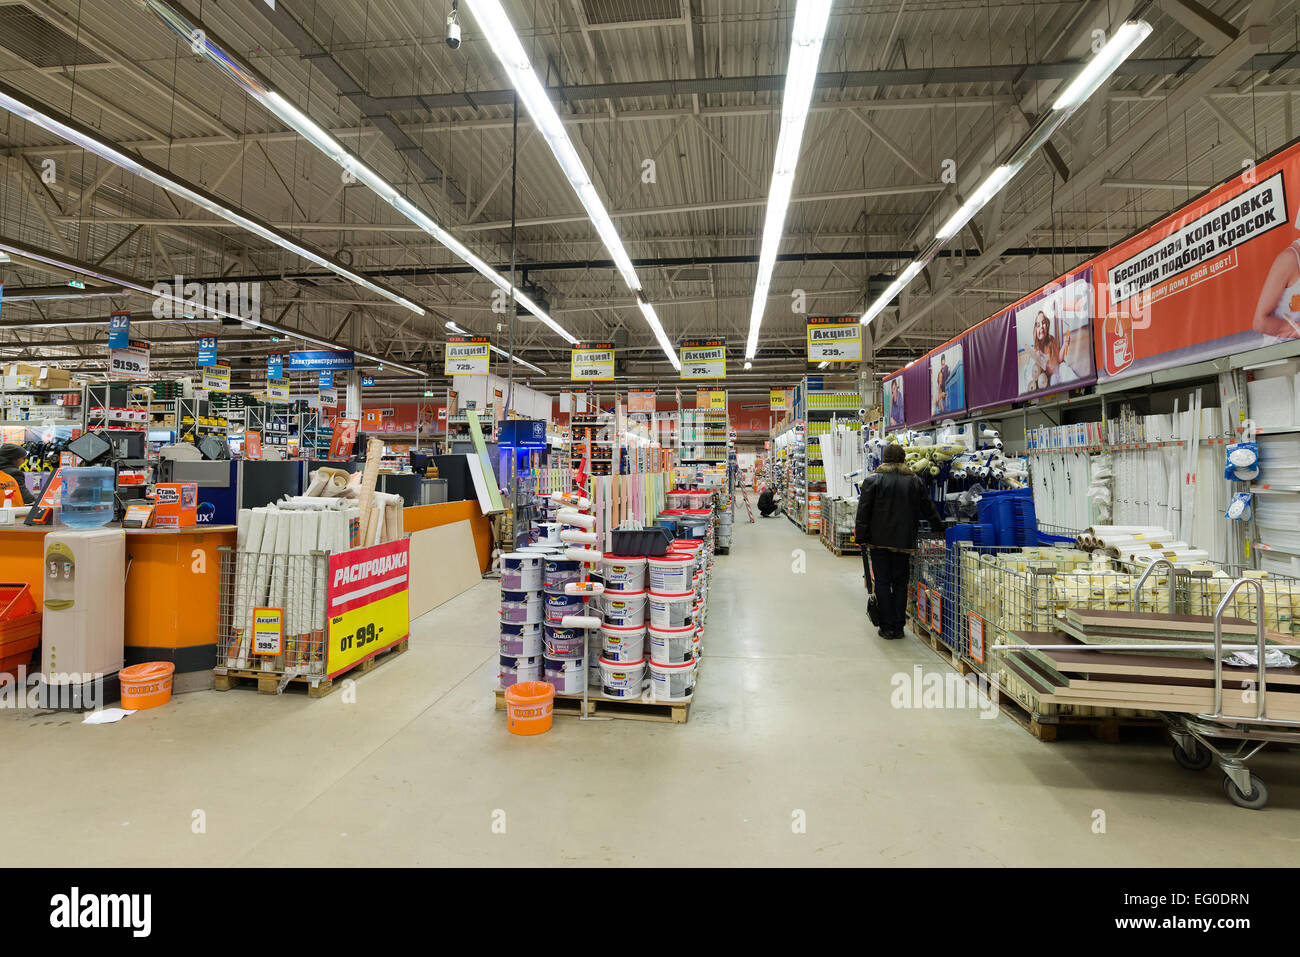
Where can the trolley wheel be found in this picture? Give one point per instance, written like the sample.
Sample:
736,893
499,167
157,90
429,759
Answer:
1253,801
1197,759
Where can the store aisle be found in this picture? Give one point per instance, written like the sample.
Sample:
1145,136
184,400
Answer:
793,755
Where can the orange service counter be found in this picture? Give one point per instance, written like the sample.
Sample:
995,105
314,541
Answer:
172,585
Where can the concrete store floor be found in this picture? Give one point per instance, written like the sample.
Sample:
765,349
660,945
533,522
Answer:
793,714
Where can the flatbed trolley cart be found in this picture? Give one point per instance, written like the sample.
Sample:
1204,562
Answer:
1202,739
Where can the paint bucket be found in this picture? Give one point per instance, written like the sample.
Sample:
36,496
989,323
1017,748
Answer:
672,682
565,643
622,644
521,640
624,609
521,607
558,572
678,498
529,707
671,646
558,604
521,572
671,574
566,675
672,611
621,679
692,546
515,669
623,572
548,533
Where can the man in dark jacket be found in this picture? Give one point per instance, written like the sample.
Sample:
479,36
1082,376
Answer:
892,503
11,475
767,502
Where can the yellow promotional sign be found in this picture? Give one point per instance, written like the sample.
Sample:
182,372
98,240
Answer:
591,360
367,603
216,378
776,400
268,631
467,355
835,339
710,399
277,390
704,359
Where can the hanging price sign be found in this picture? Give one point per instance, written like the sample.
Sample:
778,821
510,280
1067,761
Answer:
129,363
835,339
216,378
277,390
591,361
776,400
704,359
467,355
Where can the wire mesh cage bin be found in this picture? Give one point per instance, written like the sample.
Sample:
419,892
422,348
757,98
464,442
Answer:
272,616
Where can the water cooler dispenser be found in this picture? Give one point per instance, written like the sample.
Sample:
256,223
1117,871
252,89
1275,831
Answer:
82,626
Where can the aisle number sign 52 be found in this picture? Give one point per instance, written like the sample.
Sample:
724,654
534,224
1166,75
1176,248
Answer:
467,355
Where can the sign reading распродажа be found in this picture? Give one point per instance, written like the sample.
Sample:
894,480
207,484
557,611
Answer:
367,603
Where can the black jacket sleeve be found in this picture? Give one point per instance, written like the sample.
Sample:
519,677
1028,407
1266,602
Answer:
925,507
862,521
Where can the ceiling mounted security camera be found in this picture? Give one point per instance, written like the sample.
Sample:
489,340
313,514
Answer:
453,27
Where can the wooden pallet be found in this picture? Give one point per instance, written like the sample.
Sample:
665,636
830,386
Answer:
1044,727
635,709
316,686
839,551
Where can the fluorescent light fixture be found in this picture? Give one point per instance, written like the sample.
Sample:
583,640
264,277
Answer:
501,352
500,35
748,365
806,36
83,136
4,258
261,90
823,365
983,193
1116,50
24,251
1121,45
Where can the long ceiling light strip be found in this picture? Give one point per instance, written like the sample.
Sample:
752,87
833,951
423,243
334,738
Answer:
106,275
1123,42
505,43
806,36
261,89
68,129
499,351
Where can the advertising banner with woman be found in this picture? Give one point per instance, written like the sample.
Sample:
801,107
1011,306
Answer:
1219,276
1054,337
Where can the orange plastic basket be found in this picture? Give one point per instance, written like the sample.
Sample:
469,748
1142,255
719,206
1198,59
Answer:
146,685
530,707
20,626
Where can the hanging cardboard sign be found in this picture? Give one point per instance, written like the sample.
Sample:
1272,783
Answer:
275,367
317,359
776,400
268,631
591,361
367,380
119,330
467,355
216,378
641,401
329,398
704,358
129,363
277,390
207,351
710,399
834,339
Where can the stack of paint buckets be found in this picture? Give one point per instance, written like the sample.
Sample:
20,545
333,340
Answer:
623,635
521,617
672,625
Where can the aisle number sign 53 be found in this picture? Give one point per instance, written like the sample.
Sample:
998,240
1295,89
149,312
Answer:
467,355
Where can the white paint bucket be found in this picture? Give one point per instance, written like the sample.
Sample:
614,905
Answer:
622,644
521,607
558,572
672,611
564,674
625,609
515,669
623,572
672,682
548,533
678,498
671,573
521,640
558,604
565,642
621,679
521,572
671,646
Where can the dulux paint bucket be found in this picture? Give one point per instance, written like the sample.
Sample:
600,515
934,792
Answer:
519,669
521,607
621,679
672,682
623,572
567,643
521,640
548,533
564,674
521,572
622,644
671,646
625,609
671,574
672,611
558,572
558,604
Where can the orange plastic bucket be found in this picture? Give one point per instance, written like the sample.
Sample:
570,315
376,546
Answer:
529,707
146,685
